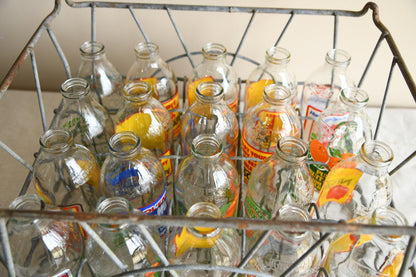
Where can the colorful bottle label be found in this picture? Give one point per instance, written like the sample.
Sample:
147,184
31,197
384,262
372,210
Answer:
234,105
339,185
186,240
167,163
250,151
65,273
191,89
313,112
253,210
76,209
173,104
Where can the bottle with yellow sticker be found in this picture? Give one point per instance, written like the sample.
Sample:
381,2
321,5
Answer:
209,175
368,254
151,68
125,240
204,245
266,123
214,68
210,115
274,70
142,114
357,186
66,174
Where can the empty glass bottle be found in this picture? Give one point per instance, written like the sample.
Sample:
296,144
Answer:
135,173
210,115
339,132
266,123
368,254
149,119
207,175
282,248
204,245
106,83
88,121
126,241
274,70
283,178
42,247
150,67
66,174
324,86
359,185
214,68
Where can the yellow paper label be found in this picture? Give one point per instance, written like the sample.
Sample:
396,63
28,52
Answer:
186,240
254,92
176,117
233,106
339,185
167,163
250,151
191,90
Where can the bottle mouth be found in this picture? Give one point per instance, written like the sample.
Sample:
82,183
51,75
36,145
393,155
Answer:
91,48
207,210
145,50
124,144
293,212
338,57
354,96
278,55
206,146
56,140
114,205
74,88
29,202
376,153
214,51
137,91
277,94
209,92
390,217
292,149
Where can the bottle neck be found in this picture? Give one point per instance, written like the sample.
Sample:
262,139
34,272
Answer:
214,52
206,146
338,58
124,145
355,98
30,202
377,154
92,50
146,51
277,56
56,141
390,217
292,149
209,93
137,91
114,205
75,88
292,212
277,95
208,210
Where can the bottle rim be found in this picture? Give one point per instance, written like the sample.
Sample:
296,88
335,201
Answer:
114,205
146,50
209,92
214,51
56,140
137,91
278,55
29,202
75,88
293,212
91,48
206,146
207,210
354,97
124,145
276,94
338,57
292,149
389,216
376,153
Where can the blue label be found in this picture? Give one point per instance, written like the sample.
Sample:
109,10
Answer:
122,176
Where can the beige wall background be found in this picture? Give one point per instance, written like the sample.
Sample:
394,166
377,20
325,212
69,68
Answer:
308,38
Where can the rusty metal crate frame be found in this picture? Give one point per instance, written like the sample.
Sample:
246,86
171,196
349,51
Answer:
324,227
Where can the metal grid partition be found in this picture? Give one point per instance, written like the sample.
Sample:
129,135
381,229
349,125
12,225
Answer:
325,228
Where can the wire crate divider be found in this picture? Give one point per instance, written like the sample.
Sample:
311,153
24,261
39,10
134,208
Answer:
324,227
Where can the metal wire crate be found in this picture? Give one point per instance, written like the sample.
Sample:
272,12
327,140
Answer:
324,227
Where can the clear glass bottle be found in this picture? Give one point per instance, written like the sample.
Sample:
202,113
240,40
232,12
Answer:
357,186
274,70
266,123
210,115
125,240
214,68
88,121
204,245
207,175
339,132
106,83
135,173
150,67
368,254
66,174
282,248
283,178
149,119
42,247
324,86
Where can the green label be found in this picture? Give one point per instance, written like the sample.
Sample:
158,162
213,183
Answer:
253,210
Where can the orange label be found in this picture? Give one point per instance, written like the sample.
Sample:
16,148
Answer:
233,106
172,104
167,163
339,185
191,90
254,94
250,151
